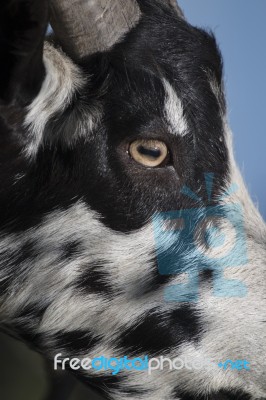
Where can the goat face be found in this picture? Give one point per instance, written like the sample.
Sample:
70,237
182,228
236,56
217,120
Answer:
104,149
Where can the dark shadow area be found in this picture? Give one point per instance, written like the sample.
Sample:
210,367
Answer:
26,375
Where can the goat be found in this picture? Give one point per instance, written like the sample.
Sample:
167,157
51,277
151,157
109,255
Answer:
104,127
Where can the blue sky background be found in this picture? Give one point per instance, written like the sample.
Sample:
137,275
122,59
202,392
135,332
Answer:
240,29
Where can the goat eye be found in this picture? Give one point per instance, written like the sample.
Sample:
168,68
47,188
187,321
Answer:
151,153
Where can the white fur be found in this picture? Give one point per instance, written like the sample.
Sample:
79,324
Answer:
62,79
174,112
233,328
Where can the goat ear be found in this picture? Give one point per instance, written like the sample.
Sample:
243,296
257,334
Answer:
84,27
173,3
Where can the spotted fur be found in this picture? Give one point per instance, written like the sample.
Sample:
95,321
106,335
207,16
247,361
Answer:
79,261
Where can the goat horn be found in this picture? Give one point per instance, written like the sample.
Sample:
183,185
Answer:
84,27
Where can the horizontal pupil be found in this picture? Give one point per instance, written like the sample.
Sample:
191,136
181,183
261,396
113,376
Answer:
153,153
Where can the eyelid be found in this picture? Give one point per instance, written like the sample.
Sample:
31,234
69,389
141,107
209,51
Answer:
147,160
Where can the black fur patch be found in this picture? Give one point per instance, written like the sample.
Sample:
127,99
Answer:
75,342
233,395
26,252
187,321
71,249
102,384
94,279
220,395
17,263
206,276
153,283
5,284
156,333
22,30
105,383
